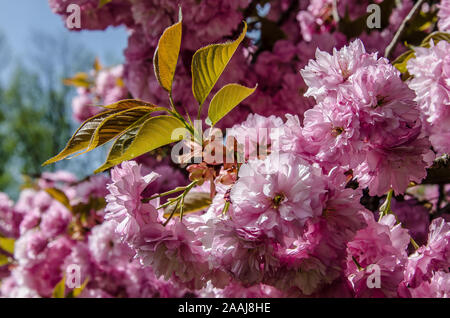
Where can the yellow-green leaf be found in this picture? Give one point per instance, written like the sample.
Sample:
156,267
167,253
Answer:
193,202
401,62
81,138
116,123
436,37
7,244
59,196
101,3
95,204
155,132
226,99
4,260
208,63
77,291
123,142
60,289
166,55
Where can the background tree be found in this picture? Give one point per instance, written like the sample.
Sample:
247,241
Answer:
35,116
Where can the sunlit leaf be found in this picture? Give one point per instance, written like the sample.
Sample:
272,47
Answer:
95,204
166,55
401,61
226,99
155,132
116,123
4,260
128,103
82,137
124,141
60,289
79,80
436,37
59,196
7,244
208,63
193,202
74,293
97,65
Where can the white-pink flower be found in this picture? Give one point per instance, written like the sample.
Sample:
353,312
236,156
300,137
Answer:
124,200
327,72
277,195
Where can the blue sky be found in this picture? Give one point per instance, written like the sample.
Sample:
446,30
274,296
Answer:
18,18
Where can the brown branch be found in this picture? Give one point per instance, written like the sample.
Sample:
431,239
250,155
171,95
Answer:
390,48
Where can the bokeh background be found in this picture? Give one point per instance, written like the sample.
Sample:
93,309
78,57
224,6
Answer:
36,53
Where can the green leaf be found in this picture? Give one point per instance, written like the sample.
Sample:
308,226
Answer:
354,28
166,55
208,63
7,244
97,65
103,127
79,80
401,61
436,37
115,124
101,3
95,204
74,293
59,196
193,202
4,260
60,289
226,99
155,132
81,138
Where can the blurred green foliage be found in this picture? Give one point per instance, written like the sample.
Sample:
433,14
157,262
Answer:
35,111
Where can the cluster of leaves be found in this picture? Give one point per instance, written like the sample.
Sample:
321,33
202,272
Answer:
6,250
138,127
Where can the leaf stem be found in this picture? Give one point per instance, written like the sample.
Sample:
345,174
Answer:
179,202
414,244
177,189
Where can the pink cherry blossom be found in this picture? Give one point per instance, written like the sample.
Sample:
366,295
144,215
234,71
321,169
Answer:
124,201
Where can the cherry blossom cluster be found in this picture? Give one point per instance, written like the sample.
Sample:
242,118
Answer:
52,238
103,87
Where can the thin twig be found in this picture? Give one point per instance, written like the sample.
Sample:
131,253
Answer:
442,195
335,12
390,48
